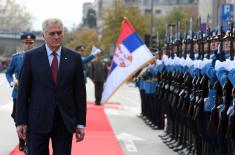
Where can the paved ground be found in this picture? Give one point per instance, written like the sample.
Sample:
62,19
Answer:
134,136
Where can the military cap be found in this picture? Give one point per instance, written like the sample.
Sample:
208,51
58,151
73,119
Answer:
80,48
196,36
214,36
28,37
227,34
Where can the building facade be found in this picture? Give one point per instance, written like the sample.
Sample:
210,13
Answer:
10,43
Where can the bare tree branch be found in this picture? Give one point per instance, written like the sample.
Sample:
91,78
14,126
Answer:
13,16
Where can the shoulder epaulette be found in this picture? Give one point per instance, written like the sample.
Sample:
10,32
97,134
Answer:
17,53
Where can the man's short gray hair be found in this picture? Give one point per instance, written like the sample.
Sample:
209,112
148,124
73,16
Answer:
51,21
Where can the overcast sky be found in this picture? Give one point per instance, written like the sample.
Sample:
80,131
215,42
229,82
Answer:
69,11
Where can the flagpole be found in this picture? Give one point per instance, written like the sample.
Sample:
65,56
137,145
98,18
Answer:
130,51
128,78
151,22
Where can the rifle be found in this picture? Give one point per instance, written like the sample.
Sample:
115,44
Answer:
227,90
162,84
192,98
191,39
202,93
231,127
197,94
181,92
188,87
231,37
178,40
208,34
214,117
140,74
186,97
178,80
223,122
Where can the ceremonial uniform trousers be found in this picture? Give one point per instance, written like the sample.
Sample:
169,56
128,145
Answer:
13,74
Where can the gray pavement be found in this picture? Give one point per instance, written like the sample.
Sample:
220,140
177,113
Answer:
8,137
134,136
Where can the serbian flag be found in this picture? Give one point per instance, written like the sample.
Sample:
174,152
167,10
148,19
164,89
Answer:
130,55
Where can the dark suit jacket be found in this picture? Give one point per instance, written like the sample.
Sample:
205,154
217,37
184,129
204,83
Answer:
39,95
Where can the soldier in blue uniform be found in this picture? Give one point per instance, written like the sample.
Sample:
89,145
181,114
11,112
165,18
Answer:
13,72
85,60
229,66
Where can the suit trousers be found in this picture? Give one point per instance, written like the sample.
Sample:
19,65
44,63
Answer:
98,92
38,144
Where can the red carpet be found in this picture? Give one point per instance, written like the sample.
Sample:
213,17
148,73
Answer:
100,138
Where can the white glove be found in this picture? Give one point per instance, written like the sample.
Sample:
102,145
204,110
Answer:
166,62
95,51
159,62
12,84
200,64
195,63
229,65
164,57
183,62
174,61
171,61
232,64
218,65
205,62
189,62
177,60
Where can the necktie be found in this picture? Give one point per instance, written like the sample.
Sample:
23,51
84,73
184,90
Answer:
54,66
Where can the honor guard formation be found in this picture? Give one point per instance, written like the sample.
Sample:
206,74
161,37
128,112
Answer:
189,91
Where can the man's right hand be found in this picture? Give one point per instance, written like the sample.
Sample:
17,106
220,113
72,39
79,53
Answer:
21,131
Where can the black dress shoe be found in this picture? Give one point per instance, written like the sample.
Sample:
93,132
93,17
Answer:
163,135
179,148
140,115
21,145
26,150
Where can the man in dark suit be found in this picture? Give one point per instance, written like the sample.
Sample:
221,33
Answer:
51,103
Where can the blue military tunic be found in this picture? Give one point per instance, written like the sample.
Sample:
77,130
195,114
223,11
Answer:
86,60
13,70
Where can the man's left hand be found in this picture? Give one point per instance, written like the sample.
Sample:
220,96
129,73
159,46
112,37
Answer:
21,131
80,133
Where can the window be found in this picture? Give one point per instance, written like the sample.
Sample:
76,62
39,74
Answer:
147,2
147,11
158,12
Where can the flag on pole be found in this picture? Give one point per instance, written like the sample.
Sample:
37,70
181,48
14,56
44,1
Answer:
130,55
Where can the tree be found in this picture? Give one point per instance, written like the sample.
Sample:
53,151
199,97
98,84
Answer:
112,23
85,36
14,16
